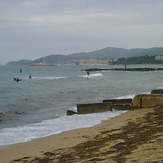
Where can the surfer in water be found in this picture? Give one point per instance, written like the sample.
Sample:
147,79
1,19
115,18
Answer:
17,79
87,73
30,77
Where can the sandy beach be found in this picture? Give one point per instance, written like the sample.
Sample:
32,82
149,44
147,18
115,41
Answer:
134,136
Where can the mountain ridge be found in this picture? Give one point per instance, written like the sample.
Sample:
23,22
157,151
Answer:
105,53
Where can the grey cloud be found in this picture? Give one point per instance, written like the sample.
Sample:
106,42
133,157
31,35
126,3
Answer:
31,29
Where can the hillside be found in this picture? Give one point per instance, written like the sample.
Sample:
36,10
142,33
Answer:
20,62
151,51
145,59
109,52
106,53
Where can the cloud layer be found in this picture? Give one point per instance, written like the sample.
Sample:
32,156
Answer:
31,29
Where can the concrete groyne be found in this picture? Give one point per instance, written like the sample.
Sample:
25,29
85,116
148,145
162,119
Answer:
120,104
118,101
138,102
106,105
93,108
157,91
147,100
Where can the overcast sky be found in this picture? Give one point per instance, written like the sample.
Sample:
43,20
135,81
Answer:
30,29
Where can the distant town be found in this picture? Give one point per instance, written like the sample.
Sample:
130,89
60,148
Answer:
133,60
92,61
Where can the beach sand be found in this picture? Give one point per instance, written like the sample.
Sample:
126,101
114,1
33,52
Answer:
134,136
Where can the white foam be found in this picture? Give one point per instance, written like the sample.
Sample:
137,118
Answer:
97,74
53,126
92,75
160,87
127,96
131,95
48,78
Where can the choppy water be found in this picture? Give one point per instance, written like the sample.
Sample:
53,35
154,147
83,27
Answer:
37,107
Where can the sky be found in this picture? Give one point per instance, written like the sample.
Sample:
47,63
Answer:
30,29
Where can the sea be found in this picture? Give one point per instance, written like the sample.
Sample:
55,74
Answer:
36,107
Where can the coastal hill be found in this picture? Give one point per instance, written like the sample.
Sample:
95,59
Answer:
106,53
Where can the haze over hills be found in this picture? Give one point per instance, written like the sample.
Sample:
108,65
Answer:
106,53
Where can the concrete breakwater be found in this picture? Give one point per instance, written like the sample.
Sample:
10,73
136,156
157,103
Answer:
93,108
147,100
123,69
106,105
139,101
157,91
119,104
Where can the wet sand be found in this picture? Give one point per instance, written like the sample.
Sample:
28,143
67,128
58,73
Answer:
134,136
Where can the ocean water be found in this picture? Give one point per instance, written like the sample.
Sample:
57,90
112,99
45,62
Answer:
36,107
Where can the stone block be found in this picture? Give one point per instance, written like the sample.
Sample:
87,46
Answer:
93,108
147,100
157,91
70,112
118,101
122,106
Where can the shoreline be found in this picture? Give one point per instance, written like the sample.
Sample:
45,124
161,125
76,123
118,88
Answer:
95,143
69,122
69,130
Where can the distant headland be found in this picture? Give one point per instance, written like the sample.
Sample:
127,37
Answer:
108,55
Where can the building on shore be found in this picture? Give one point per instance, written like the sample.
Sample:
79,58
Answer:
91,61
